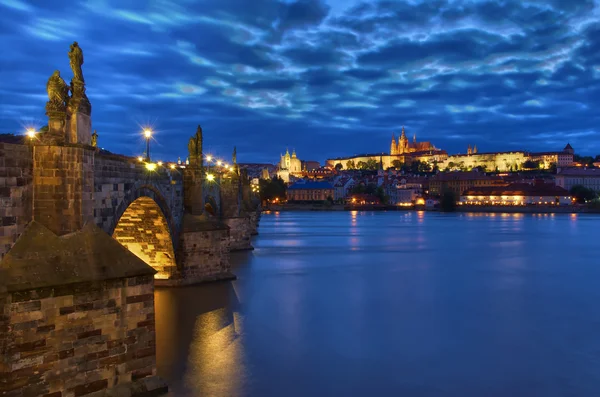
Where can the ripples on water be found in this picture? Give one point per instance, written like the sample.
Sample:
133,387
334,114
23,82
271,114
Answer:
397,303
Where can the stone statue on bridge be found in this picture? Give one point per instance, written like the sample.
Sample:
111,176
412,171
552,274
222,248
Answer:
58,93
95,139
76,60
195,149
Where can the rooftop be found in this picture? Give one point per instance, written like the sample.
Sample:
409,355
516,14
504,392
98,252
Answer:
595,172
311,186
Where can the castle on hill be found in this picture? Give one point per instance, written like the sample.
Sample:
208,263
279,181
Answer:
403,146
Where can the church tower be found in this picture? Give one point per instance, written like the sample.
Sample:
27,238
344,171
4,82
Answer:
393,146
475,149
403,143
469,151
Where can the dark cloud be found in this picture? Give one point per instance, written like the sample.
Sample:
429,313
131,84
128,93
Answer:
303,74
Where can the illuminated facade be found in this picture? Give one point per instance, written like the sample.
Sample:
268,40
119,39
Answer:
519,194
310,191
289,165
402,150
506,161
458,182
403,146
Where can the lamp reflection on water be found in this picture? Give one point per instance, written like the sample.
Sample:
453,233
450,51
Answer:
216,360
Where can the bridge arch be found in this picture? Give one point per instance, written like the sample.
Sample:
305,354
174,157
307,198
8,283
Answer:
145,226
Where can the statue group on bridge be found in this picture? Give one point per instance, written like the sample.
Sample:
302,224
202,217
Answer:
61,106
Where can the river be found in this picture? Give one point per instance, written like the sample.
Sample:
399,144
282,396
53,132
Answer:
394,304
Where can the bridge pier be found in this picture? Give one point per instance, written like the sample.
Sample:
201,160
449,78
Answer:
76,317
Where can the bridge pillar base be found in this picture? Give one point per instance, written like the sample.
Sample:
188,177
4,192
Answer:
76,317
203,253
240,233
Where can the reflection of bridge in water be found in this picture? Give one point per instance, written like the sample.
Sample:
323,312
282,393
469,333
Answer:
77,305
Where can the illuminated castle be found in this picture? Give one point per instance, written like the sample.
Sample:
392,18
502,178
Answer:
403,146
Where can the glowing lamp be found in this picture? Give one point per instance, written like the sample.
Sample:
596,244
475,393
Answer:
31,133
140,158
209,158
210,177
150,166
172,166
160,163
147,132
219,162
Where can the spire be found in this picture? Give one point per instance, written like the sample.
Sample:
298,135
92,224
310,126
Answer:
294,153
287,152
415,138
403,136
475,149
234,156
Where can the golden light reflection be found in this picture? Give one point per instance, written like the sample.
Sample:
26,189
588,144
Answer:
216,361
420,216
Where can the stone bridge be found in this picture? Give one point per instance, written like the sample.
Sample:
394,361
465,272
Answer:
85,237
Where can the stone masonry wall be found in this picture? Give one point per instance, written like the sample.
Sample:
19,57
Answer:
230,198
204,256
120,180
16,192
240,232
79,339
63,186
143,230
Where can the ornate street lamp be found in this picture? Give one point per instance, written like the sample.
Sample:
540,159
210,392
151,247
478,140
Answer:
147,135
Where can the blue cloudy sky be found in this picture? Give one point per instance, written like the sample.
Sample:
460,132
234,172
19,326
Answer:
326,77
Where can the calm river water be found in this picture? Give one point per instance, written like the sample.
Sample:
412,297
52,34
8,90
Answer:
394,304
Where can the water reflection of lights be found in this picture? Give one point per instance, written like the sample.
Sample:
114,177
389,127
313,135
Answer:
216,360
420,216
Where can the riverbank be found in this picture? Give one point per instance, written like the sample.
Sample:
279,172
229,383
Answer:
459,208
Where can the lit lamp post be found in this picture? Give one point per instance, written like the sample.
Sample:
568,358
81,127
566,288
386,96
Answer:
31,133
147,135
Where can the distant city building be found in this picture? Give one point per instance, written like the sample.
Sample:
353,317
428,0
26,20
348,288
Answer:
404,190
569,177
362,199
560,159
403,146
310,165
517,194
457,182
506,161
259,170
319,173
310,191
342,187
289,165
406,152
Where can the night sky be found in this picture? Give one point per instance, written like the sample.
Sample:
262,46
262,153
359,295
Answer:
328,78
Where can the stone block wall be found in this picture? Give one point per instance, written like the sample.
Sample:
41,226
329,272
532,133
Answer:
79,339
16,192
230,198
63,187
254,221
203,253
121,180
240,232
143,230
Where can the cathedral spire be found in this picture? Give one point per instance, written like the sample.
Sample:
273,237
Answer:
415,138
403,136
